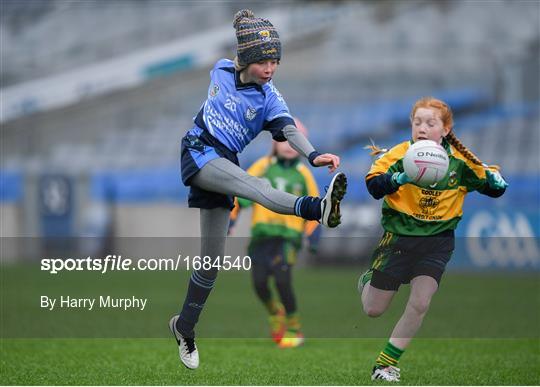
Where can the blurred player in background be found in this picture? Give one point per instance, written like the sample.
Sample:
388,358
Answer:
276,239
415,249
242,101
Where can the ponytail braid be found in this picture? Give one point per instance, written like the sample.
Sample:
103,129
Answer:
375,149
456,143
448,123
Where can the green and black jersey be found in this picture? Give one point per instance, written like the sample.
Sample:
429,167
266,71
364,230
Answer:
413,210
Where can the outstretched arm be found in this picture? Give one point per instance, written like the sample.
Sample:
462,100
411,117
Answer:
301,144
495,184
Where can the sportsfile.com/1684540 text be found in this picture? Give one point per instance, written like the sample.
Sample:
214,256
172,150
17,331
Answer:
112,263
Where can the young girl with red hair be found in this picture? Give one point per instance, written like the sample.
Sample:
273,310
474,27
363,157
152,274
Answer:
418,239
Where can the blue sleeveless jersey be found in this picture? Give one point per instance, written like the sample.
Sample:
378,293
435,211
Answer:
236,113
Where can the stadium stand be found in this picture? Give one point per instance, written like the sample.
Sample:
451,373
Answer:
351,81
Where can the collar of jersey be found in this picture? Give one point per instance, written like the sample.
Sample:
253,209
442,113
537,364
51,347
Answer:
240,86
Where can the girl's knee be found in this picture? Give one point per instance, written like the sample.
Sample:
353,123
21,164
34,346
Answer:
373,310
419,305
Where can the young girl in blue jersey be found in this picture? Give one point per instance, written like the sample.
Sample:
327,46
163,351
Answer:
419,225
242,101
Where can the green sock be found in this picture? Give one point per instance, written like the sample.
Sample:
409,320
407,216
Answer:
390,355
273,307
293,322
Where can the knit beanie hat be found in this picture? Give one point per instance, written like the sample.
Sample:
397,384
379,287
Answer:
257,39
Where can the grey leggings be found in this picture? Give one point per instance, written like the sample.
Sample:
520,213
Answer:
222,176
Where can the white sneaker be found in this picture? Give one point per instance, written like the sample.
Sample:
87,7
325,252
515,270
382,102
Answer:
330,216
189,355
388,373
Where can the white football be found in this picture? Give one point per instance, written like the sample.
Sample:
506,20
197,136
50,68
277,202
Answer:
426,163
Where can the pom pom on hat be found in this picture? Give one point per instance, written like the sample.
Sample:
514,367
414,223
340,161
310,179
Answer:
243,14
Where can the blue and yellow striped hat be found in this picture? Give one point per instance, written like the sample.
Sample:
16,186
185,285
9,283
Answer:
257,38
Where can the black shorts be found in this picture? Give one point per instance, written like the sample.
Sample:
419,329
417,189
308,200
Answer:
272,252
198,148
398,259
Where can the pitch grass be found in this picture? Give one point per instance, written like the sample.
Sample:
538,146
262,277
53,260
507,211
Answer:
481,329
259,362
498,305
